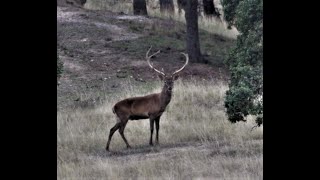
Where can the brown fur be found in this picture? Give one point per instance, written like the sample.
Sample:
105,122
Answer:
150,106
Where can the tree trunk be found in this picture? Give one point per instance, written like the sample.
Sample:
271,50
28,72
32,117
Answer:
181,4
140,7
209,9
193,44
166,5
83,2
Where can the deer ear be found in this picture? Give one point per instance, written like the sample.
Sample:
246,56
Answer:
175,77
161,77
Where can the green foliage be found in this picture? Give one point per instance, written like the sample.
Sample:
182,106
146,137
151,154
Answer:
229,7
59,67
244,96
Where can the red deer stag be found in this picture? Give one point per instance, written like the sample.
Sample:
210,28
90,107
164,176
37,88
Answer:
147,107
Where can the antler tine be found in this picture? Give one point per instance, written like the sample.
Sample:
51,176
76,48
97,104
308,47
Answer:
187,60
148,60
149,57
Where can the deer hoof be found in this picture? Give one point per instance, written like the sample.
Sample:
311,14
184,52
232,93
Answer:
129,147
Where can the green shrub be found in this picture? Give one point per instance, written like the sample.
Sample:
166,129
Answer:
245,60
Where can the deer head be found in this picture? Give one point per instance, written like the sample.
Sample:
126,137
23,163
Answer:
168,78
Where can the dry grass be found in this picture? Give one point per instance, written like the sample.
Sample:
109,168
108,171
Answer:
196,140
211,25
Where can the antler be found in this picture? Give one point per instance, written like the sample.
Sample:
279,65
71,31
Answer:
187,60
148,60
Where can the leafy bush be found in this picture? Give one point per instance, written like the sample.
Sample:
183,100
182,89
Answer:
245,60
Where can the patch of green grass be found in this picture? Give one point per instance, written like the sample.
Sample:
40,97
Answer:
214,47
135,27
139,46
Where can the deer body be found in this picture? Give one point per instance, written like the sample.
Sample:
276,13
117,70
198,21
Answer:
150,106
144,107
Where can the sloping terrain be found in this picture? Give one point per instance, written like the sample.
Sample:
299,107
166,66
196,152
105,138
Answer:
102,51
104,61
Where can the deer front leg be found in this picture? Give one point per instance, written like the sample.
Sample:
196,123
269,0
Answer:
112,130
157,129
151,130
121,131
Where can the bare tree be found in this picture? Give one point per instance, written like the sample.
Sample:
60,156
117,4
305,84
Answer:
140,7
209,8
180,3
166,6
193,43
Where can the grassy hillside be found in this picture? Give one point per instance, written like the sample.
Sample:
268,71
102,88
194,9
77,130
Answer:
103,60
103,51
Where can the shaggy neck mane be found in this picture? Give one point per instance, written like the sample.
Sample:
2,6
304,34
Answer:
165,97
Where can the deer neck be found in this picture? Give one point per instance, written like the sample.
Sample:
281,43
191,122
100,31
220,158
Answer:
165,97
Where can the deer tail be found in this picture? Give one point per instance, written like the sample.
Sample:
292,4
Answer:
113,110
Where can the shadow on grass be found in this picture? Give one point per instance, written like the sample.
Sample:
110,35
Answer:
139,149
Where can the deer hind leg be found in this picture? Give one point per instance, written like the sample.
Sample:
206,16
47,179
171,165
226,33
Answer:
121,131
112,130
151,130
157,129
